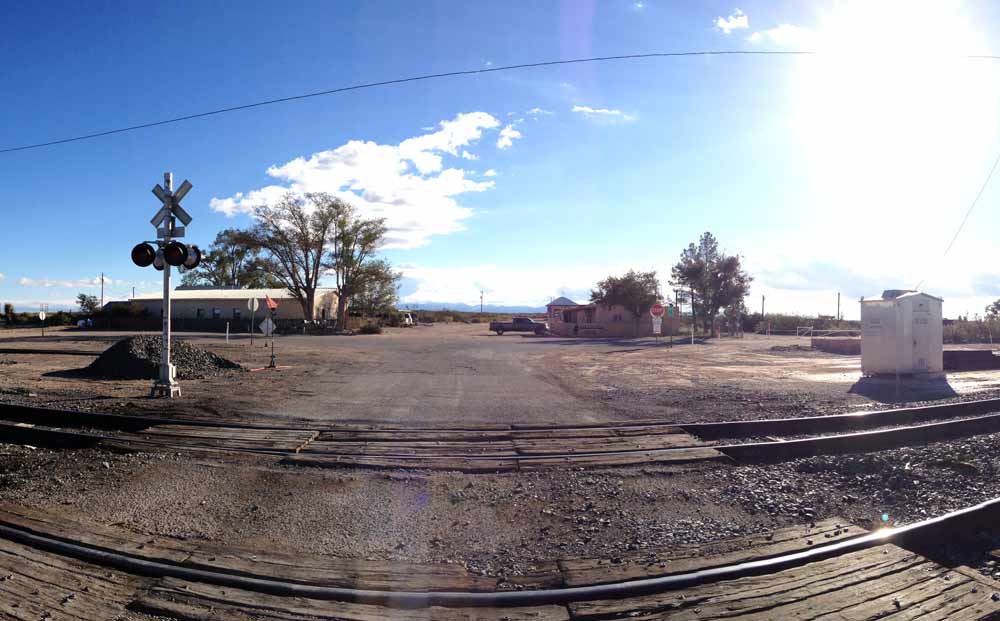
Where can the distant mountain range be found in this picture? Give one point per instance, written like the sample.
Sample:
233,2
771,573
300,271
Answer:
470,308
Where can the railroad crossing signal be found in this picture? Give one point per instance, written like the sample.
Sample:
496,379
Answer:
170,253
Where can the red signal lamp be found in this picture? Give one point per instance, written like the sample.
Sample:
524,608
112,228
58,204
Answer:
143,255
175,253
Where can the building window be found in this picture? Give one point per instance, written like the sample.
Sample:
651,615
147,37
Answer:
200,313
216,313
236,313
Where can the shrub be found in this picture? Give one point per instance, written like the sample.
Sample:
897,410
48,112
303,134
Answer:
370,328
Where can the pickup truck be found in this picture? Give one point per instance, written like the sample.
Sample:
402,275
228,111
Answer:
520,324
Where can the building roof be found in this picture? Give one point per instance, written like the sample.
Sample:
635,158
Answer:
899,294
225,294
562,301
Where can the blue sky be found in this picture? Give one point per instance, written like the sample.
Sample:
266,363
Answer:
843,172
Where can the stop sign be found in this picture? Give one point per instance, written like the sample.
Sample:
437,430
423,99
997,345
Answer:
656,310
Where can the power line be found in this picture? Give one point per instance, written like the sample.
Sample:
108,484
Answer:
419,78
435,76
968,212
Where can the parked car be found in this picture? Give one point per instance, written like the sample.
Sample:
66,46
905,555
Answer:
407,320
520,324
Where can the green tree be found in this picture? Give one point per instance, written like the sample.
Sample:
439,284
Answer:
232,261
993,310
635,291
88,303
717,280
353,258
9,313
379,288
294,235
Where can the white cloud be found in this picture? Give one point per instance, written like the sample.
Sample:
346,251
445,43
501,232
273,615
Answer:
2,277
539,112
490,173
79,283
736,21
785,34
507,136
469,156
407,184
603,113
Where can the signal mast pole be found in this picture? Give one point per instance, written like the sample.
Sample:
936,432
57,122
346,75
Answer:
166,385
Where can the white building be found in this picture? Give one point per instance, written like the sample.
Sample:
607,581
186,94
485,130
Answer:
902,333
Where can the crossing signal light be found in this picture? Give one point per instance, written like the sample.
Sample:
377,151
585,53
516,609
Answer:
143,255
175,253
158,261
193,257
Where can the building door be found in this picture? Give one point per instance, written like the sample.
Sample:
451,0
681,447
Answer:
921,338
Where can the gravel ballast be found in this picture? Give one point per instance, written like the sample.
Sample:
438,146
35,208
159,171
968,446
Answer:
138,357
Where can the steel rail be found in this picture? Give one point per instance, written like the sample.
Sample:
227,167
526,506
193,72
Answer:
708,430
963,520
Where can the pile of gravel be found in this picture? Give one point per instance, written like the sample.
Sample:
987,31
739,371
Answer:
138,357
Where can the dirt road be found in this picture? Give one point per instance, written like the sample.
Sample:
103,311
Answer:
461,374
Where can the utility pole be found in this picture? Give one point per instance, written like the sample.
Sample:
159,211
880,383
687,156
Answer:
133,293
102,290
480,301
762,319
694,321
838,306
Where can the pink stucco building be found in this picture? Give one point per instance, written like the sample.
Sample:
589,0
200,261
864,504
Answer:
567,318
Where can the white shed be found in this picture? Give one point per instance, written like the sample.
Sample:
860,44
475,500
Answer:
901,332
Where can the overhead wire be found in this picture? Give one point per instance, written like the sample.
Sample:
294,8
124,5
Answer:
418,78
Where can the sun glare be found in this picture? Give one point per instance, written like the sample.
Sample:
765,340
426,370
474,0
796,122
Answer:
895,124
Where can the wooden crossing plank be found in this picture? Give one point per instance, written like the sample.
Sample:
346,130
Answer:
200,602
61,526
402,435
35,585
875,583
461,464
604,445
340,572
670,561
681,455
499,448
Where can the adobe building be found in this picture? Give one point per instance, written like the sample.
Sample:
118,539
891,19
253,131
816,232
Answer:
231,304
567,318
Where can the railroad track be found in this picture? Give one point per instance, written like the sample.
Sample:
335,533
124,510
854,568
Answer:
798,572
494,448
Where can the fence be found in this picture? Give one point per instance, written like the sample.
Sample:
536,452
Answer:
810,331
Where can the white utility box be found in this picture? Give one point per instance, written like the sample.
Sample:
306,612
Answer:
901,333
